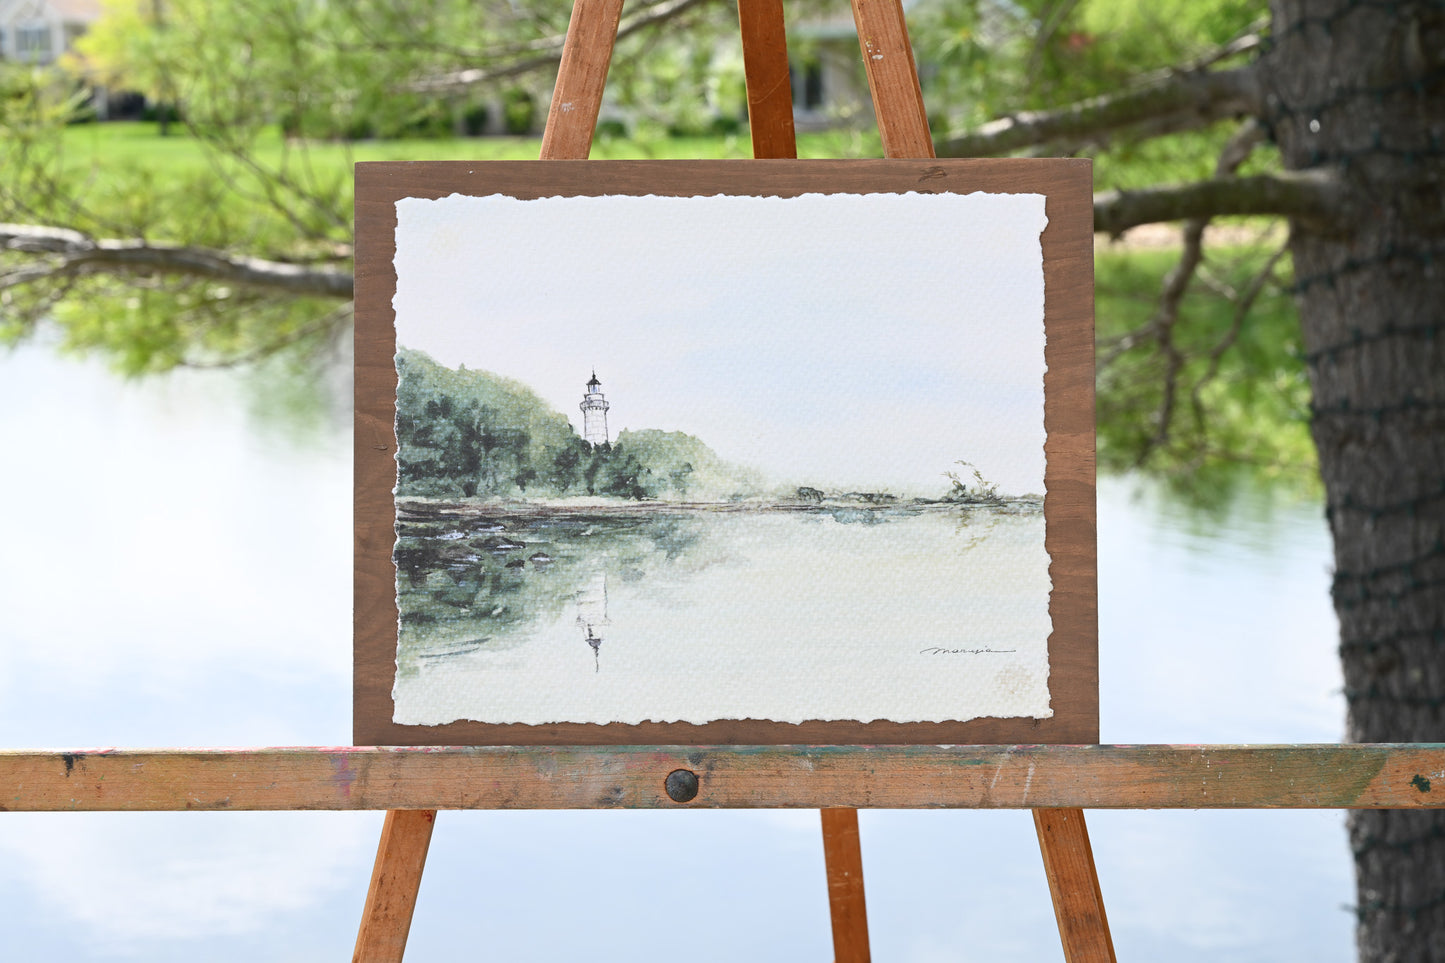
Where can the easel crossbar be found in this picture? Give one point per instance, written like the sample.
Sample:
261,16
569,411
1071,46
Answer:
1380,776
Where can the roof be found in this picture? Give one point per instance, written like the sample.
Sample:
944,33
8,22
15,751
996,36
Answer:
77,11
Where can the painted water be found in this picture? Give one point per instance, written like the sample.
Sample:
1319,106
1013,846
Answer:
662,613
177,573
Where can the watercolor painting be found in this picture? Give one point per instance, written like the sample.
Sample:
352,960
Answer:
725,457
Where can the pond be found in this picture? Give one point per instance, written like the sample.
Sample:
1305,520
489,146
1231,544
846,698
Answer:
667,613
178,573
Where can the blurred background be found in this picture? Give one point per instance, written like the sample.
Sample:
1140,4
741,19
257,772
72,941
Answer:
174,291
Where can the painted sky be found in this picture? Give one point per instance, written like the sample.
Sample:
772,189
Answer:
841,340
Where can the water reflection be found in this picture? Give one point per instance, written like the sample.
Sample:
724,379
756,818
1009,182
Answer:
758,611
592,613
465,582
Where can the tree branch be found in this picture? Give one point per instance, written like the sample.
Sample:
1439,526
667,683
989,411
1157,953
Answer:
1313,195
548,51
79,254
1176,285
1176,101
1242,306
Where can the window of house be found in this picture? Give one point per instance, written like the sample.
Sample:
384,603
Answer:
33,43
807,83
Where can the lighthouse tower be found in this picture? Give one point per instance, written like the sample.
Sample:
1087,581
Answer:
594,413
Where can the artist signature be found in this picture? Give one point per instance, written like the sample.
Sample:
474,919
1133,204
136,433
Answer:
986,650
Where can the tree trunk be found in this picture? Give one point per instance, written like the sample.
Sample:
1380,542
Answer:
1360,87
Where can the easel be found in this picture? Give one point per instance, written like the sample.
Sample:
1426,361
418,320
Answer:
903,124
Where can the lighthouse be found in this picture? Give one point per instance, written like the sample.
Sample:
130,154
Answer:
594,413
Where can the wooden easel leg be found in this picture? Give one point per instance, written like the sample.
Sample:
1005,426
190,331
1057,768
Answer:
400,858
577,97
770,91
843,855
892,78
1074,885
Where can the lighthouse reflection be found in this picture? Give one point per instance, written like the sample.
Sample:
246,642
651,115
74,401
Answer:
592,613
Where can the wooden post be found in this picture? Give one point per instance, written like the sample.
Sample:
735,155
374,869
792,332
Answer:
1074,885
395,878
581,76
770,89
892,78
843,856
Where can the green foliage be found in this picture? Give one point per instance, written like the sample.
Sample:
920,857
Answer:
519,110
465,433
980,492
1093,47
680,467
1242,393
317,70
982,60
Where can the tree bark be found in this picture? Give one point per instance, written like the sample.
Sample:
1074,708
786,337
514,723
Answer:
1358,88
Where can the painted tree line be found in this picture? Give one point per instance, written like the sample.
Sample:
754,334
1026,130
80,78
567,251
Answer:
466,433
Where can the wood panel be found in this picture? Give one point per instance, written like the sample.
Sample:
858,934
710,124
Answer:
746,777
1068,416
1074,885
892,78
770,89
395,879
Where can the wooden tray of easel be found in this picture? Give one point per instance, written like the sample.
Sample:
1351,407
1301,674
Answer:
903,124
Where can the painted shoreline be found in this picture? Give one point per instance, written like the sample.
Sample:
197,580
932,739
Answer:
422,510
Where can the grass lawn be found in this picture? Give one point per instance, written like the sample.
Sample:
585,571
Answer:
130,143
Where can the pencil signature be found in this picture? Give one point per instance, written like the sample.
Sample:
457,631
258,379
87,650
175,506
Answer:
986,650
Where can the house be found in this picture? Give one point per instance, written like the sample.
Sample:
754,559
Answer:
825,67
40,31
830,86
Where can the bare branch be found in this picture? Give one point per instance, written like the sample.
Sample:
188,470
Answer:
1176,285
1314,195
548,51
1242,307
1175,101
1249,41
333,320
1162,326
79,254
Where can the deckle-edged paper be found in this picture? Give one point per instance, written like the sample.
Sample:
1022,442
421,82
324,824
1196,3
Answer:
689,459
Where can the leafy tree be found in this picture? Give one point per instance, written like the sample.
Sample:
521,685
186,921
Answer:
465,433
